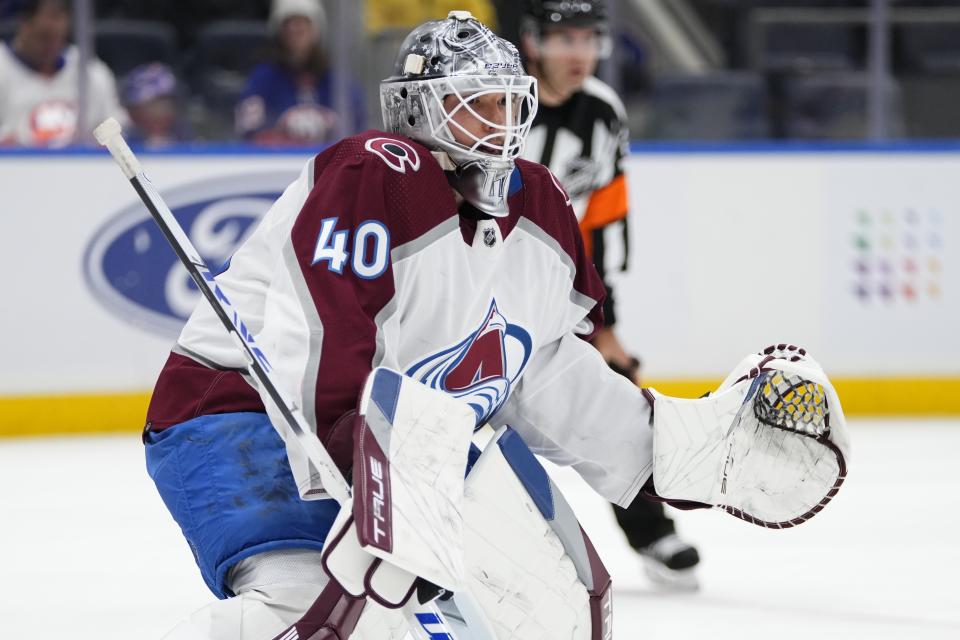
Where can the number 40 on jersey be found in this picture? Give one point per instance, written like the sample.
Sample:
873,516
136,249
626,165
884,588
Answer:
367,256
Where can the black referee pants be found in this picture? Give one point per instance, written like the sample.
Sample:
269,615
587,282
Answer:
643,522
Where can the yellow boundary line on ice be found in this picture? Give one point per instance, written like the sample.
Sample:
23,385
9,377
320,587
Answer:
124,412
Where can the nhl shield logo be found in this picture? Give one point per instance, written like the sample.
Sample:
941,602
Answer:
489,237
482,369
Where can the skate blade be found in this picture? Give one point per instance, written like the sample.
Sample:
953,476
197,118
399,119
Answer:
671,579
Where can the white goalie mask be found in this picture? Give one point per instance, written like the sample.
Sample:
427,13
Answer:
444,69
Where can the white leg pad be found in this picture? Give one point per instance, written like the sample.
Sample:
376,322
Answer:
520,574
274,590
409,454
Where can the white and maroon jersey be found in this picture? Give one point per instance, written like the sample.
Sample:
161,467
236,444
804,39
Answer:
41,111
364,261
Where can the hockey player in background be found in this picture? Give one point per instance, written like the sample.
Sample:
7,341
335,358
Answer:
431,250
580,133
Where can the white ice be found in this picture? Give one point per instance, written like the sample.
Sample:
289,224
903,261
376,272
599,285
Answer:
89,551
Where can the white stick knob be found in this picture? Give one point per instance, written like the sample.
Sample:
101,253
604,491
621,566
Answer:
110,135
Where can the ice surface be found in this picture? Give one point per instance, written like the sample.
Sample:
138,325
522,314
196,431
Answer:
90,552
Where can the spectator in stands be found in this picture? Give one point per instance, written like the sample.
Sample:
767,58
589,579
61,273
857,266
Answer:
39,82
149,93
291,98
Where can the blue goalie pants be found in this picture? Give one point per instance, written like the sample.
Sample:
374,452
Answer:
226,480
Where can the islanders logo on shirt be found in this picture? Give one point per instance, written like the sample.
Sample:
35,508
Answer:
482,368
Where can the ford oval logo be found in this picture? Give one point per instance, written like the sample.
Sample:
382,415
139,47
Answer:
131,269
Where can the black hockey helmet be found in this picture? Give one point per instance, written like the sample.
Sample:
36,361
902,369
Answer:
541,15
538,14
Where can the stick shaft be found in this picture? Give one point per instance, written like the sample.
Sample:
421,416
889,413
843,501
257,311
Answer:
420,617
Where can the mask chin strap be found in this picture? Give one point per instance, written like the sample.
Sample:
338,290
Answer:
483,186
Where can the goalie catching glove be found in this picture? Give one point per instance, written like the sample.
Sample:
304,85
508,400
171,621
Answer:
769,446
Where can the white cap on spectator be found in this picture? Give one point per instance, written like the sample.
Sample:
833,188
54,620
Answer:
280,10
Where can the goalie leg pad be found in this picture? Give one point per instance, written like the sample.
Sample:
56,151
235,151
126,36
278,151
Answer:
531,570
410,452
559,515
277,598
273,590
254,615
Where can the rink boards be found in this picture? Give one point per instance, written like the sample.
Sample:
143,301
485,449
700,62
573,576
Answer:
852,253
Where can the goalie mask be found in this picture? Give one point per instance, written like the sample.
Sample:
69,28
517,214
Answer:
453,72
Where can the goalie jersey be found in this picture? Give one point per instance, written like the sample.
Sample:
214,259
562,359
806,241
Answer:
365,261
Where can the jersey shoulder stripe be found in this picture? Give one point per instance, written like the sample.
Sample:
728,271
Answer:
602,91
548,212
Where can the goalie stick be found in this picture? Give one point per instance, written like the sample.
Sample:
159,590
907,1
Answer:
109,134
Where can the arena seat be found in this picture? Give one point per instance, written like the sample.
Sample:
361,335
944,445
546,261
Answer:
716,106
930,48
834,106
125,44
792,47
225,52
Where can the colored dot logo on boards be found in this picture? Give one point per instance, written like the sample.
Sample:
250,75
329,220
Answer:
897,255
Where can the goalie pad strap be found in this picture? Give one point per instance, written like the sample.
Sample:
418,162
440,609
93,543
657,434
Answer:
389,585
333,616
360,573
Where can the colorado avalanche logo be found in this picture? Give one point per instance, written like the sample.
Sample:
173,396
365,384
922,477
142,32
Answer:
482,368
395,153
